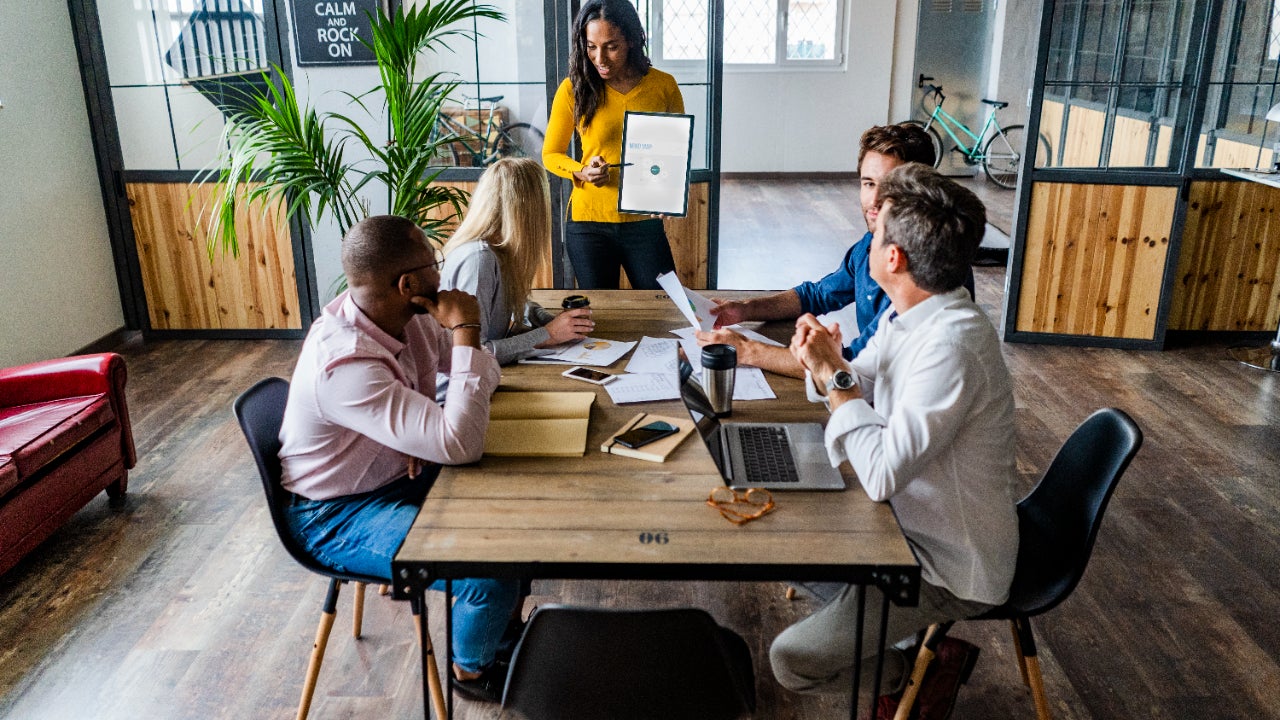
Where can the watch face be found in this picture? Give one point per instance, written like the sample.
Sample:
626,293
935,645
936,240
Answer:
842,380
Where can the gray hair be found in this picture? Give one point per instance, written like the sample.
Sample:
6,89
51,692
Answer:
937,223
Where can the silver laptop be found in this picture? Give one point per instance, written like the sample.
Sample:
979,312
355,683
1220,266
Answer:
774,456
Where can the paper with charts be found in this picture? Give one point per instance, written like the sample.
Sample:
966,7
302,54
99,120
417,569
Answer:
656,152
652,374
588,351
695,307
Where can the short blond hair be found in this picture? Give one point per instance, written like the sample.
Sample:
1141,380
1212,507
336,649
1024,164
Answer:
511,211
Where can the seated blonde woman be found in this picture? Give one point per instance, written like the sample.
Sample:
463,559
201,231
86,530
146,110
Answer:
504,237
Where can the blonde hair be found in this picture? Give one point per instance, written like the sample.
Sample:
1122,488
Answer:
511,211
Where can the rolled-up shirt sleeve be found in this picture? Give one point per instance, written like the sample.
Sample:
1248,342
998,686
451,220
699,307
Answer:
368,397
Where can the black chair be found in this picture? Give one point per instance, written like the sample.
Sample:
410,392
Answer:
260,411
676,664
1058,522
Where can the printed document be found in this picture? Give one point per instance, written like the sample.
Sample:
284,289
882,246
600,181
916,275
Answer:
656,151
588,351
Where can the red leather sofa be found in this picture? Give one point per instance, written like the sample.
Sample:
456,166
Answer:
64,438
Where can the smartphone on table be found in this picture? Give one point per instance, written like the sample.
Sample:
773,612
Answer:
645,434
595,377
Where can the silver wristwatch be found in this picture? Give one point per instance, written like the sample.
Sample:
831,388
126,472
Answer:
841,380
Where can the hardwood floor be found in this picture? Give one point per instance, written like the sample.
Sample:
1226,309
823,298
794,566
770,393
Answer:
779,233
183,604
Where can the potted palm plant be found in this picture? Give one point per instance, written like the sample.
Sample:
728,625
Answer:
287,153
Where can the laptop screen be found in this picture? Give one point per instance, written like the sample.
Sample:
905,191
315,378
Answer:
699,407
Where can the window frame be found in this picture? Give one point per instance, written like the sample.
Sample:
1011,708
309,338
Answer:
780,62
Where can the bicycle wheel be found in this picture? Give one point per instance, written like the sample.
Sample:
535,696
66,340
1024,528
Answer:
933,136
1002,156
519,140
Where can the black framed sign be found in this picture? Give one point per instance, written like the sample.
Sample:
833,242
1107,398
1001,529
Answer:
657,149
329,33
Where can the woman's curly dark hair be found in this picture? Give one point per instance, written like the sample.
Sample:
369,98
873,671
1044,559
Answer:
588,86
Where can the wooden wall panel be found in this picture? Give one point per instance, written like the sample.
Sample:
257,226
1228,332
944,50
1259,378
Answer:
184,290
1084,137
1164,140
689,238
1051,128
1229,264
1094,259
1232,154
1129,141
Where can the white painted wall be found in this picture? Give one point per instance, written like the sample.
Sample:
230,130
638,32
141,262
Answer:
810,121
57,281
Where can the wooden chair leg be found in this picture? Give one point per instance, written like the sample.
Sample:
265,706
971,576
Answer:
433,673
358,617
1027,641
1037,689
925,655
384,589
327,615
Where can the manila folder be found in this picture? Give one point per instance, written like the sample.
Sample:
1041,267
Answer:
539,424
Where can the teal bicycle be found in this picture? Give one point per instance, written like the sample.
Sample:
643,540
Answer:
1003,150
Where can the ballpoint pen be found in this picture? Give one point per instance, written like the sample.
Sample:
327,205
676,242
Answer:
614,165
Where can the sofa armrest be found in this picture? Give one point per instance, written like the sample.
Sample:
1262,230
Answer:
72,377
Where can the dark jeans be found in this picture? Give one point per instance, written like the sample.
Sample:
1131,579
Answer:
598,250
361,533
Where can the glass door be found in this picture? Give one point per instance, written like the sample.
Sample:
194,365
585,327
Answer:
173,68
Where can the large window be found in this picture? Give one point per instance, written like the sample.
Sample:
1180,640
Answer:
1118,78
761,33
1115,83
1243,84
172,63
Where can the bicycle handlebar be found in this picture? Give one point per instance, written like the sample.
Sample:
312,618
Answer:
922,81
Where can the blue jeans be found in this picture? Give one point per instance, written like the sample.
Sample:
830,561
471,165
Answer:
361,533
597,250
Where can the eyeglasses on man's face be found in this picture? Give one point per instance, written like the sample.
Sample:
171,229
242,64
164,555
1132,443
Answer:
436,261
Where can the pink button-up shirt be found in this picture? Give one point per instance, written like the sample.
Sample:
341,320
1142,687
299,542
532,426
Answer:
361,401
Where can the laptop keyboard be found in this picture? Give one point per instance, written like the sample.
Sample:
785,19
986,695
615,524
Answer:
766,454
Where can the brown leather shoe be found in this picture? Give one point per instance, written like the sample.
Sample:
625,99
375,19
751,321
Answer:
950,668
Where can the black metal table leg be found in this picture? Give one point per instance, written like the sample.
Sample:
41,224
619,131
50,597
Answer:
448,642
857,652
424,650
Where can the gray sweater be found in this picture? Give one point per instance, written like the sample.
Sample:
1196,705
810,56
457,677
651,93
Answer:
474,269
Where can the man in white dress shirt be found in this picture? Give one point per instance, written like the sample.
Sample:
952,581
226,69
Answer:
924,415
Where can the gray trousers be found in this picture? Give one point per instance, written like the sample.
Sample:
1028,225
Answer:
816,654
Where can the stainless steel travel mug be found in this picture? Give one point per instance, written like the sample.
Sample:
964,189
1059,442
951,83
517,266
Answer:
719,362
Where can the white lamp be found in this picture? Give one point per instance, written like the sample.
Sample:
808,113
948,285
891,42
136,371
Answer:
1274,116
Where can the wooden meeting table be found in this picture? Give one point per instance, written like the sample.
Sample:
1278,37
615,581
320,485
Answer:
607,516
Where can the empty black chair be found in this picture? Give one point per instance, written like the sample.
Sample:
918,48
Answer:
1057,524
678,664
260,411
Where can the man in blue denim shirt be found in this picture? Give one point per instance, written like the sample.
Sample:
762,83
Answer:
883,148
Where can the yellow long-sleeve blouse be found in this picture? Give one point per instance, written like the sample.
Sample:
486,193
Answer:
656,92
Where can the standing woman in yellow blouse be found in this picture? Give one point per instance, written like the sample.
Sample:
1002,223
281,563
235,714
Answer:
609,74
